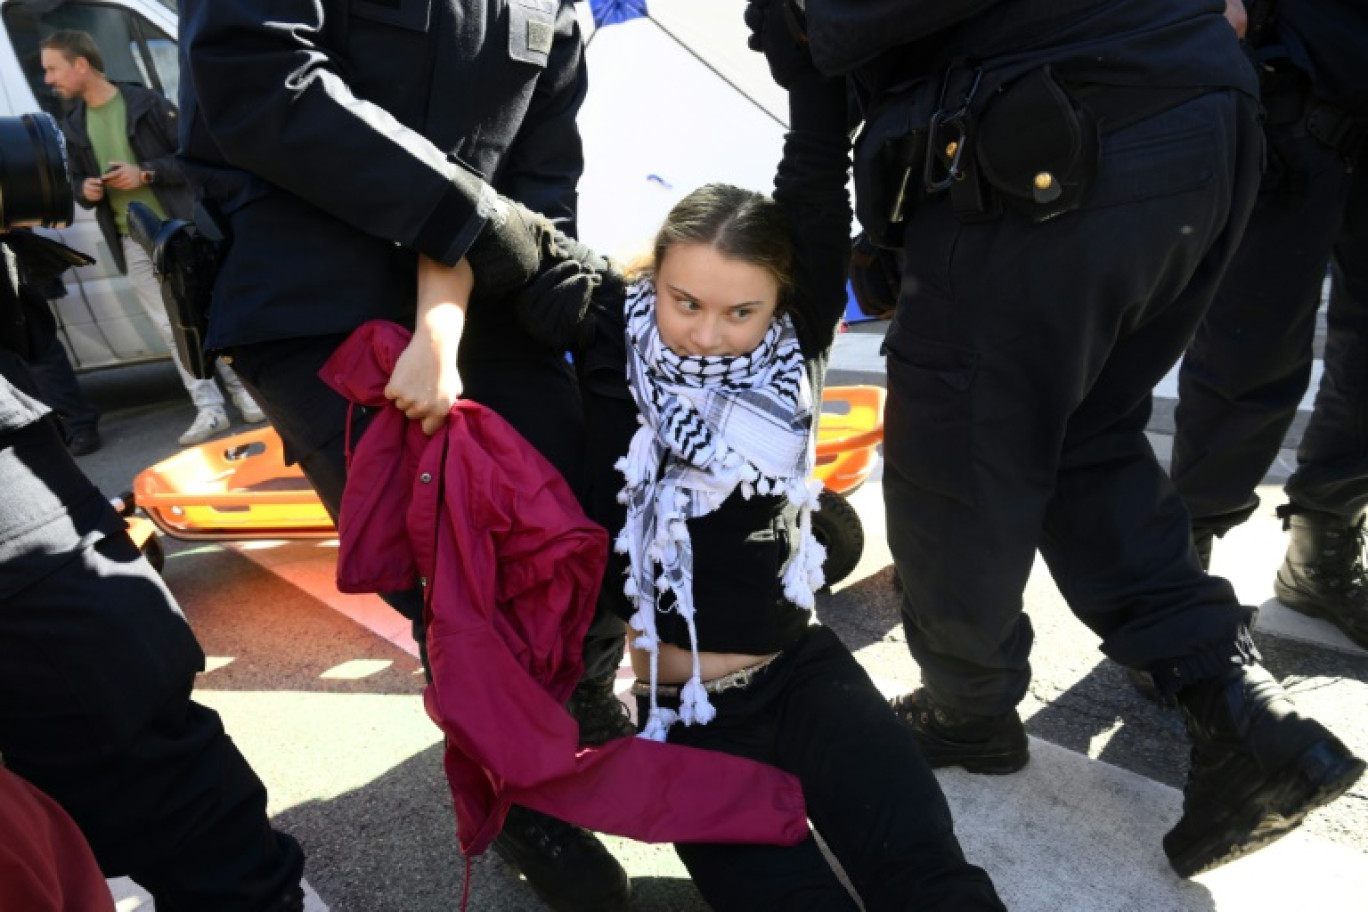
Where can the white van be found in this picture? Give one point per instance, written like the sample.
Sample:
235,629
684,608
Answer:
99,320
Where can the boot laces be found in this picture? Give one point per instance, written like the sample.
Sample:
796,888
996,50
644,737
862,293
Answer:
1355,580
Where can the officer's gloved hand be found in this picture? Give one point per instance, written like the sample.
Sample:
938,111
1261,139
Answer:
511,250
875,278
517,246
777,31
559,307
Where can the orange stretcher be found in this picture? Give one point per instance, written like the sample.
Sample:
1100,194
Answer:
239,487
849,435
235,487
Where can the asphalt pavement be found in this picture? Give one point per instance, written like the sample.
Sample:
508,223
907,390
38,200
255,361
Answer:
322,693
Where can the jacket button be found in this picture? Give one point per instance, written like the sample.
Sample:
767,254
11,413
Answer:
425,478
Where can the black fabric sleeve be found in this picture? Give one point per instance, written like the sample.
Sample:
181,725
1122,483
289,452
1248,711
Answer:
810,188
277,103
546,159
845,34
610,420
166,168
76,161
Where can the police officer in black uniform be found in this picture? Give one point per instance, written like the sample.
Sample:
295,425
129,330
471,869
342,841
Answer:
97,665
1248,367
353,153
1067,180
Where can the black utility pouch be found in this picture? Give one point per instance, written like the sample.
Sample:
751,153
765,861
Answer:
1037,147
185,258
888,165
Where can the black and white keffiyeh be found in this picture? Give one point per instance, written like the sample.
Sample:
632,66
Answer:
709,425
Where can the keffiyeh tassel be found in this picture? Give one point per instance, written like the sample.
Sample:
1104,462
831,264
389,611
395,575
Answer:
658,719
636,467
803,576
694,708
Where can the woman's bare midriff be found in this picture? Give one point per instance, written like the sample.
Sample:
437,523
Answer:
676,665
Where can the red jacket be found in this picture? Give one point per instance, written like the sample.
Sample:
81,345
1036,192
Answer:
512,568
45,863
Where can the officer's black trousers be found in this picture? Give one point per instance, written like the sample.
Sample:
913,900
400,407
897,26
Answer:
58,388
1020,364
533,389
1249,365
96,669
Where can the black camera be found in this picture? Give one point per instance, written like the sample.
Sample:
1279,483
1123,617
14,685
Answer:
35,186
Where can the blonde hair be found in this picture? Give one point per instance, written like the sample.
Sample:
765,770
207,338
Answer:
740,224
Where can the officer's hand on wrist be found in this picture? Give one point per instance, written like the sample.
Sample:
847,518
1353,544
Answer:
558,308
1236,15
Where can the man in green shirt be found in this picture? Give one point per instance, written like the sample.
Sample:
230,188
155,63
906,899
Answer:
121,142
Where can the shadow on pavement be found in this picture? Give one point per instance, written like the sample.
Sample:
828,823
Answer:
277,636
390,846
863,613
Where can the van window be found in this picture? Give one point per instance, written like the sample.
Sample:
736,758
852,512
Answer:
134,49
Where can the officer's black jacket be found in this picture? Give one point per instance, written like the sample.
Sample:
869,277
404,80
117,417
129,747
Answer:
1327,40
37,522
18,408
341,137
1152,43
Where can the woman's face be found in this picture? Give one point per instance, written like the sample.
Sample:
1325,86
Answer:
709,304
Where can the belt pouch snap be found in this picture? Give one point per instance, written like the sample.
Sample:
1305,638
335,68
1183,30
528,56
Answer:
1038,148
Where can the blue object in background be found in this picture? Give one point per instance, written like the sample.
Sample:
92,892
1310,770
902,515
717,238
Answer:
607,12
853,314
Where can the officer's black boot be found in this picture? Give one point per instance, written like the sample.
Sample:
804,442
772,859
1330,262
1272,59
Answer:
1322,575
566,866
995,745
1257,768
1144,685
600,714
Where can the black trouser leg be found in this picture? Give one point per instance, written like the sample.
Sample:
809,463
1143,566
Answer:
1015,391
1249,363
58,388
869,792
96,670
1116,534
1332,459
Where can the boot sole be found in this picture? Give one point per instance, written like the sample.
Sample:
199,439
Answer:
999,764
1324,772
1293,599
